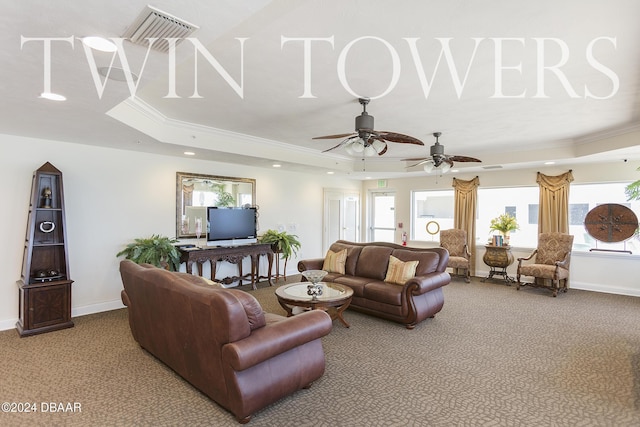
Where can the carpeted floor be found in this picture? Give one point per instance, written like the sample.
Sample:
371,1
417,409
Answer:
494,356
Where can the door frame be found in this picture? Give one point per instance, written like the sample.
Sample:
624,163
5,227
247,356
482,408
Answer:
371,211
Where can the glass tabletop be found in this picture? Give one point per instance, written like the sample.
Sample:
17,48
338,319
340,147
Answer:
298,291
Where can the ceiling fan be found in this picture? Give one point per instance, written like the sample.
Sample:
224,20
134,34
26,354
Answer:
365,140
438,158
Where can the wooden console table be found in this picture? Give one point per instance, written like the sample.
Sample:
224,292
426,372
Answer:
498,258
231,254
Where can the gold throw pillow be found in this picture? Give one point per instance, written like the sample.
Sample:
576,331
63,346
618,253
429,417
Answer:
399,272
334,261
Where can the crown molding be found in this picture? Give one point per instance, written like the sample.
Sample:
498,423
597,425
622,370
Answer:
624,129
150,112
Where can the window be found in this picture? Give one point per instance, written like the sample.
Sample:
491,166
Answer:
520,202
430,206
533,214
583,198
577,213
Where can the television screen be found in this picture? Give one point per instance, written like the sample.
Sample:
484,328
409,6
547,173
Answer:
230,224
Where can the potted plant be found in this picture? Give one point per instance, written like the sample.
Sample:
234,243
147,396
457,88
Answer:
282,243
633,190
504,224
156,250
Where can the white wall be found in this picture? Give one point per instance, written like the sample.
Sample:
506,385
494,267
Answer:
113,196
597,271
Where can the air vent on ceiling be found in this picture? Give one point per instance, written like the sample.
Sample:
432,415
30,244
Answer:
492,167
154,23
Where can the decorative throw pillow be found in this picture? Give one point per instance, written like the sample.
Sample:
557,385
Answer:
334,261
399,272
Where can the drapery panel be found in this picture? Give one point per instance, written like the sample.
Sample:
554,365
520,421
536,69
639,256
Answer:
553,208
464,213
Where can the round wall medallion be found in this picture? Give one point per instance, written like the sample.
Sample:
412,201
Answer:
433,228
611,222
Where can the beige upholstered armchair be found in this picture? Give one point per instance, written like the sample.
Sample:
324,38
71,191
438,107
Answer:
553,256
455,241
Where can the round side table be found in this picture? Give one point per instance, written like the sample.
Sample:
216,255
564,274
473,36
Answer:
498,258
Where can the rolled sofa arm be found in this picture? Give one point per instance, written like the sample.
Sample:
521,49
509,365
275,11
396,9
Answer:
276,338
423,284
310,264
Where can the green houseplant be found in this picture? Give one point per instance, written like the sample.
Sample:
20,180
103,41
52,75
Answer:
282,243
633,190
504,224
156,250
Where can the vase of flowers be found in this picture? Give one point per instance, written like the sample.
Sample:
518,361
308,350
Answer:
504,224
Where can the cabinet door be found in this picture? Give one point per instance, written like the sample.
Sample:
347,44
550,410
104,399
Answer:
48,305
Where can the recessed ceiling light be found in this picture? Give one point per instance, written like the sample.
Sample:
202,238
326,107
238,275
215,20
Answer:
454,170
549,163
53,96
276,165
330,173
189,153
100,43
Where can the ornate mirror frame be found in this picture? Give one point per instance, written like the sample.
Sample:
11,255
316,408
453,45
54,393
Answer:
211,190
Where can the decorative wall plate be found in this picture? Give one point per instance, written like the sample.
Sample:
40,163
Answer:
433,228
611,222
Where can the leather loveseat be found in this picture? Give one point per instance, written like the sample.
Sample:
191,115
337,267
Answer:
365,271
220,340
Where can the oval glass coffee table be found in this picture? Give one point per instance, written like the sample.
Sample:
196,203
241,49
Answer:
334,300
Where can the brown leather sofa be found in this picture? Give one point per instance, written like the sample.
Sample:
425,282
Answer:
220,340
365,269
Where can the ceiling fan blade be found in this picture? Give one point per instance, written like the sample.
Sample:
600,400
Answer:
420,163
416,159
401,138
384,150
342,135
463,159
343,142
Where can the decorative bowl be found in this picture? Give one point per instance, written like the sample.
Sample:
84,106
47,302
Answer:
314,291
314,276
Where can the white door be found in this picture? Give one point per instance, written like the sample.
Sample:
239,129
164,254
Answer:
382,216
341,217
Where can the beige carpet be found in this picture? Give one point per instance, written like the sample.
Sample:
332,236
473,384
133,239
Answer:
494,356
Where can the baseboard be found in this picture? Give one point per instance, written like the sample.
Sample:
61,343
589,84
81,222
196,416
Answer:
5,325
605,289
583,286
97,308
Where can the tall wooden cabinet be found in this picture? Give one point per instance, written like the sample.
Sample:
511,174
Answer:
45,285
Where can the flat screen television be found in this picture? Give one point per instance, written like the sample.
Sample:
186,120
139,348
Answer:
231,226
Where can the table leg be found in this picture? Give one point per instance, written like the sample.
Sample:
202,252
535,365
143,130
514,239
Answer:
286,307
270,260
339,311
254,268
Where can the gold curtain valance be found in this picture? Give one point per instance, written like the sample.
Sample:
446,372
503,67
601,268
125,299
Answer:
554,183
466,186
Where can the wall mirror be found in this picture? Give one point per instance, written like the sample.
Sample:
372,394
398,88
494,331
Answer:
194,192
